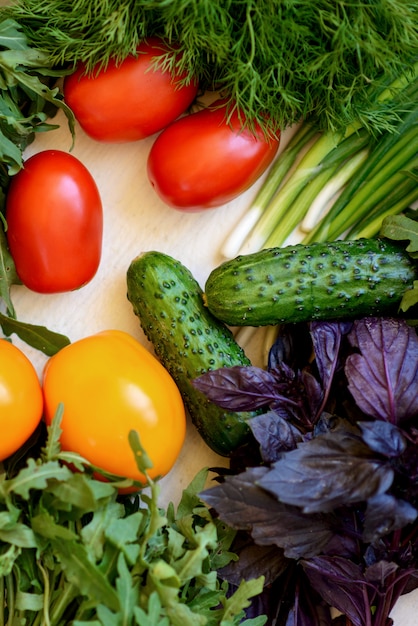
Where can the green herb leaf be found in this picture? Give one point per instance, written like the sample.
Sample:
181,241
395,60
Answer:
84,574
410,298
127,591
35,476
29,601
153,613
20,536
402,228
39,337
241,599
8,274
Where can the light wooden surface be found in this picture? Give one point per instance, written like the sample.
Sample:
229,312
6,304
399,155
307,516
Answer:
135,220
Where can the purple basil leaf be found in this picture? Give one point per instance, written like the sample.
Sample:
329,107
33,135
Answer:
341,583
274,434
308,610
383,377
387,575
383,437
329,471
314,394
243,505
326,340
237,388
410,583
240,502
385,513
298,393
379,572
293,346
255,561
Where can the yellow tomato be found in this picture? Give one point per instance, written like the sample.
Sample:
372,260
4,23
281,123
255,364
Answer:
110,384
21,402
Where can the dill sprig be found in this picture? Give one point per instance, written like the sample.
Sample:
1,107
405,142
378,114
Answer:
278,61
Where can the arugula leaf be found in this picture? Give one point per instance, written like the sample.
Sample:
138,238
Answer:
39,337
241,599
8,274
402,228
410,298
20,536
84,574
34,476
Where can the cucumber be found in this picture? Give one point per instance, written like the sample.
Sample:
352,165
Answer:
188,341
320,281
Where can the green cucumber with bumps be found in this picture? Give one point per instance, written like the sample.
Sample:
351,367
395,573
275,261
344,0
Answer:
188,341
319,281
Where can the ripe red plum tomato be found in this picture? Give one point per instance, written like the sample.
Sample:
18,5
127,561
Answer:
130,100
204,160
110,384
21,401
54,223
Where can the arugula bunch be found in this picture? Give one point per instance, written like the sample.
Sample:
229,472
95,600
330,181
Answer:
74,551
326,504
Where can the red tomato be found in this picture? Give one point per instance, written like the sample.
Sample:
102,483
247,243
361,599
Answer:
202,160
130,100
21,402
54,223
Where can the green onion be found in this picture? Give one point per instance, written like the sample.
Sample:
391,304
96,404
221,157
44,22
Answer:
398,200
330,190
344,182
379,176
272,210
329,167
276,174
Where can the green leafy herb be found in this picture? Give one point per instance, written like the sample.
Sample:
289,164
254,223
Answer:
40,337
75,551
277,61
404,228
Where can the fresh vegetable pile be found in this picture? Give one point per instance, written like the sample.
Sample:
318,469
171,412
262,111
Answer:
318,507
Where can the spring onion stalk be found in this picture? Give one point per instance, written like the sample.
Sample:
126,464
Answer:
307,169
308,185
328,168
276,174
330,190
364,194
397,202
380,157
